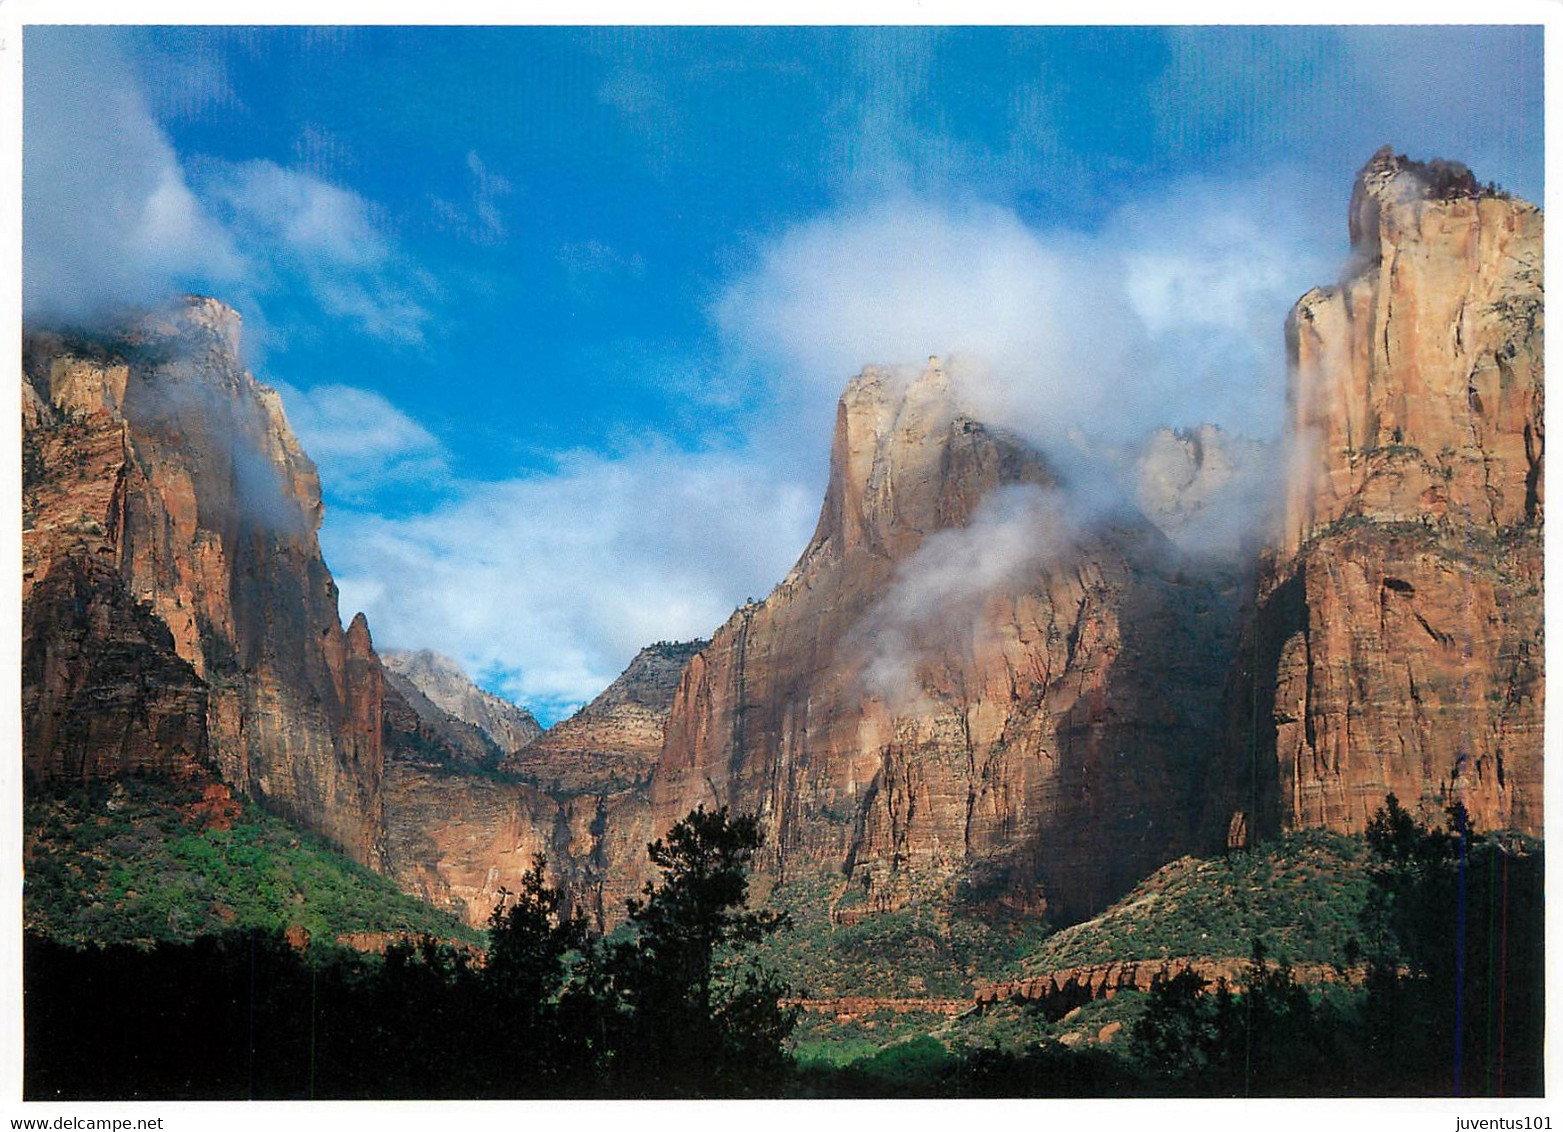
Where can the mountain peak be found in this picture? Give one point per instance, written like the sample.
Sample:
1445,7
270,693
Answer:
447,686
1390,180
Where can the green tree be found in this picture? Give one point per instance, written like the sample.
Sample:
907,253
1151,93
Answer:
1457,980
533,940
530,938
694,1016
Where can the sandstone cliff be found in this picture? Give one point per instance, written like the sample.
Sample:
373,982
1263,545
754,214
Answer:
577,795
613,742
426,677
973,673
177,615
965,674
1398,639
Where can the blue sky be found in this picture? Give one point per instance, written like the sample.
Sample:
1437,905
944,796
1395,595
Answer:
562,313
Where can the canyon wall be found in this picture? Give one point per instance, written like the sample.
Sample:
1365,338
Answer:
177,615
576,794
975,672
962,675
1397,645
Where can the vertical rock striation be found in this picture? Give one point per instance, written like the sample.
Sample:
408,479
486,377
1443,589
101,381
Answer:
962,676
177,615
1397,645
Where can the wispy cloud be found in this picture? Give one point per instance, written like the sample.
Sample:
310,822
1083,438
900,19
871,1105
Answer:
590,265
645,110
480,219
109,218
1170,314
1333,95
933,606
324,237
363,443
115,217
548,585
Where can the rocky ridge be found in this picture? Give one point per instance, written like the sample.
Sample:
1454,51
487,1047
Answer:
441,682
459,833
612,743
960,675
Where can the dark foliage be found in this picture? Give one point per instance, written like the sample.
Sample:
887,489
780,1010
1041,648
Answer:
692,1020
1453,1003
675,1005
550,1013
1264,1037
1456,989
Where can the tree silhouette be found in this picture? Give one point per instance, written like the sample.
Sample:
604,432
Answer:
532,940
1456,984
693,1017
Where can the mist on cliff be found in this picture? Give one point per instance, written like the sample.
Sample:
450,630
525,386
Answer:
1169,314
937,598
1089,345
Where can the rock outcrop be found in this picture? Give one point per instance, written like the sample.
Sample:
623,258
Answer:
964,675
177,616
1397,645
426,677
1073,985
612,743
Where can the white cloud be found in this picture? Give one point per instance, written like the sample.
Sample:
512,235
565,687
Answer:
361,441
480,219
548,585
325,237
114,218
1171,314
109,217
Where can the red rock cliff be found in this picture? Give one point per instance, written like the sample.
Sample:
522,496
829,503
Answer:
1398,643
177,615
959,677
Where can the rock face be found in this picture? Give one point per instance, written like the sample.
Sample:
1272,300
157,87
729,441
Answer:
441,682
1397,645
973,674
963,674
1202,489
612,743
177,615
577,795
456,839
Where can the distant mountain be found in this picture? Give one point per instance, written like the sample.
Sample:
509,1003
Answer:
426,677
617,738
